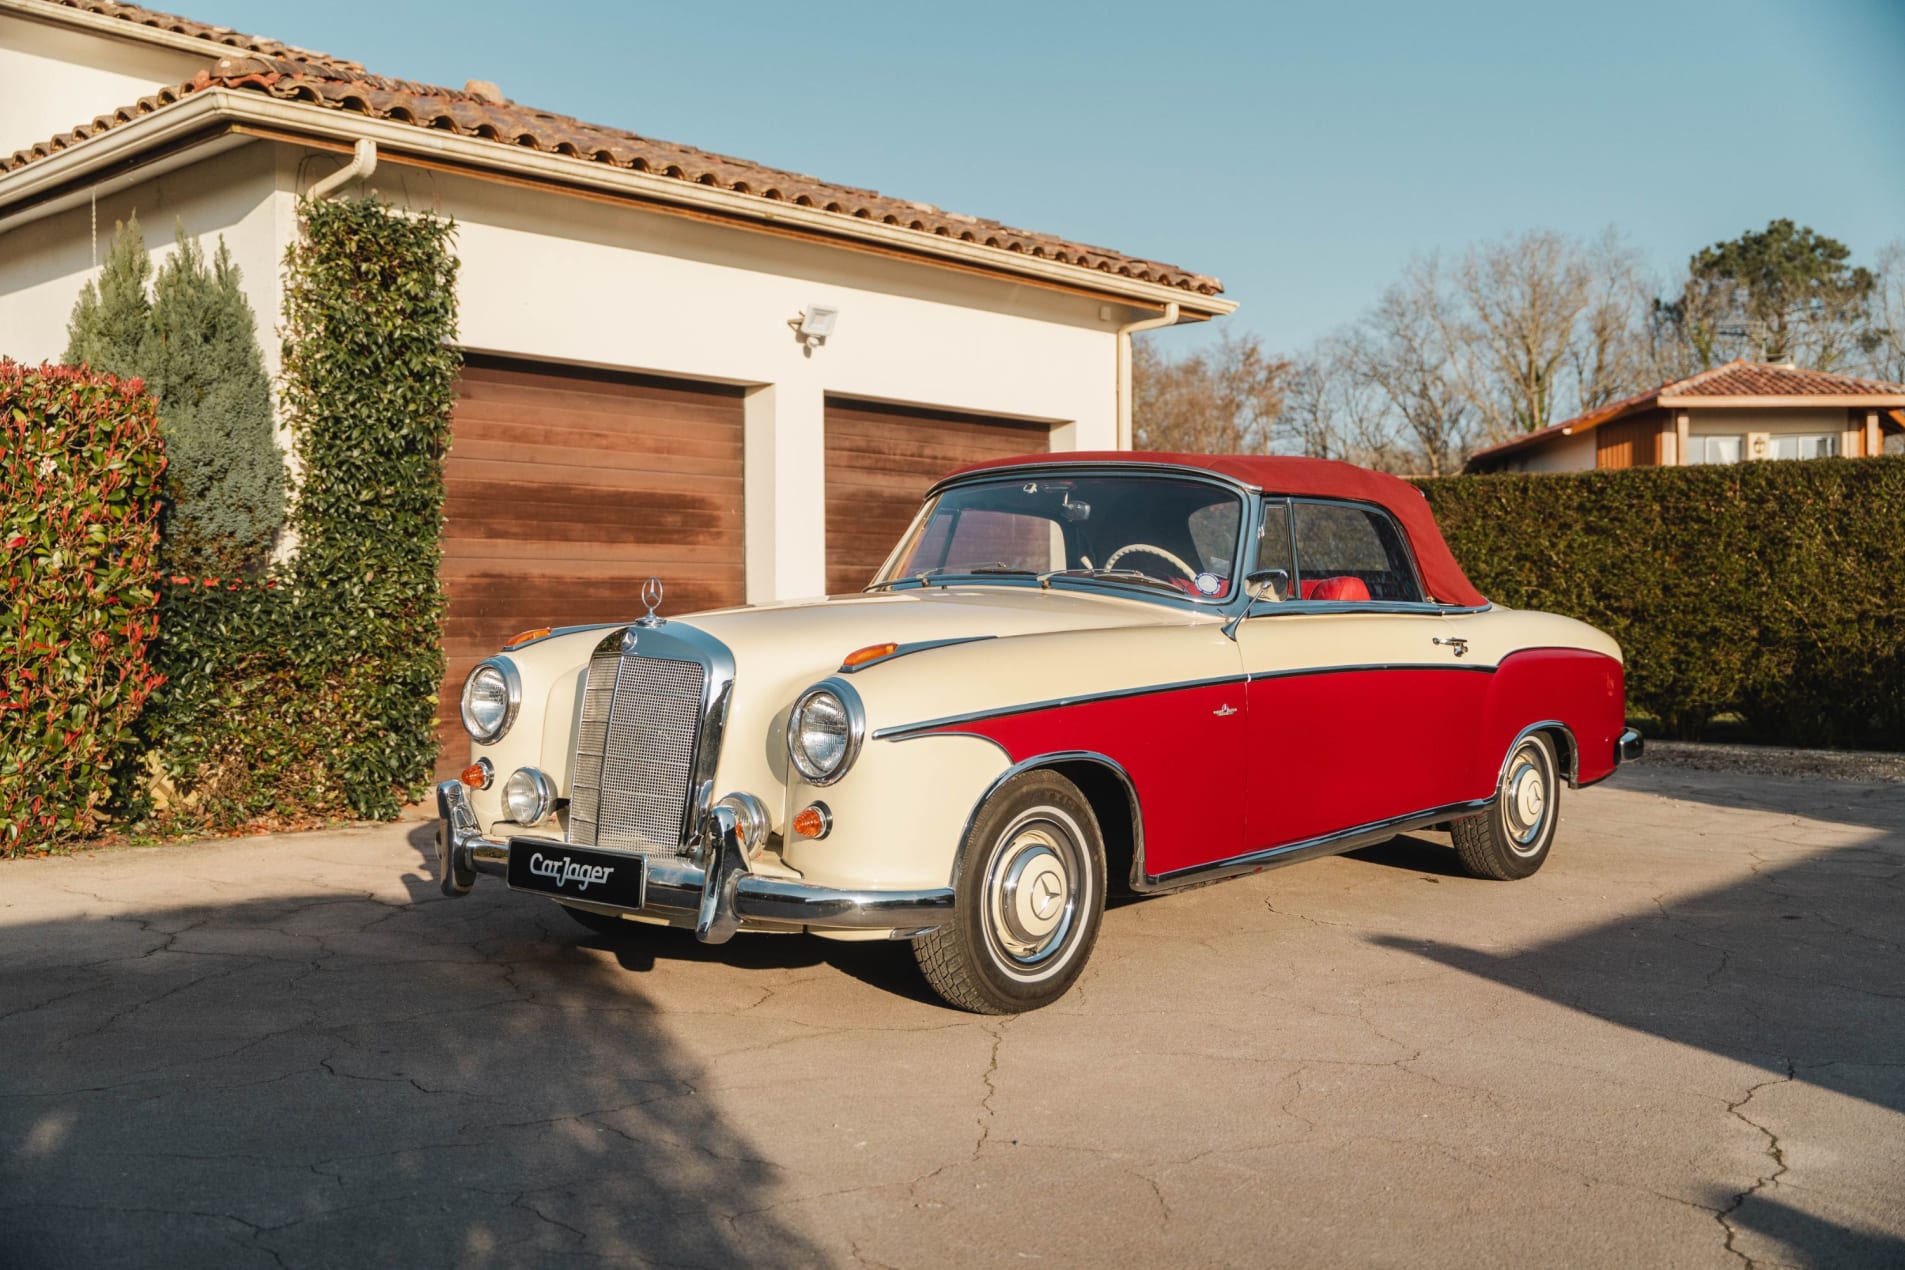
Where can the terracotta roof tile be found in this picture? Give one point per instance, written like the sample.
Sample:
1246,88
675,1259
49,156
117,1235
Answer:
176,25
347,87
1752,379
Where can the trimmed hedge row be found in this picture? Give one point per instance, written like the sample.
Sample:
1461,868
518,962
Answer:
1775,590
80,465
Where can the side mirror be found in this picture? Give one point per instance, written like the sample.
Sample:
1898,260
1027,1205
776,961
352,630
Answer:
1263,584
1271,584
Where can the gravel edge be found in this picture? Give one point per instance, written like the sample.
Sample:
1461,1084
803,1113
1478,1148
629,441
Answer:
1772,760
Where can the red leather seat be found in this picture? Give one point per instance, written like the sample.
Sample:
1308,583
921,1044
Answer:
1335,589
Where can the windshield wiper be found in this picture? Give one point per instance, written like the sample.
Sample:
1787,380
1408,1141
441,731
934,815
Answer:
993,567
1115,575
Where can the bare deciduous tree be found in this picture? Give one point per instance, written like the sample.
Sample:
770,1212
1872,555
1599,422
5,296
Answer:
1886,361
1220,400
1411,352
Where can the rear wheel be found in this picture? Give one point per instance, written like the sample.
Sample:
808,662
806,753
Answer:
1031,892
1511,839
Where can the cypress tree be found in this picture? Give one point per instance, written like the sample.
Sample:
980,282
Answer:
226,476
195,344
111,326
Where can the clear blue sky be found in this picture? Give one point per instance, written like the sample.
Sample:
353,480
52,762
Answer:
1301,152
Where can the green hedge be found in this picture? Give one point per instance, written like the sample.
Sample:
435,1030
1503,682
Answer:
80,465
1774,590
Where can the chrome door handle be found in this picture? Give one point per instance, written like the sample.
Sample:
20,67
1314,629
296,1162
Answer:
1459,644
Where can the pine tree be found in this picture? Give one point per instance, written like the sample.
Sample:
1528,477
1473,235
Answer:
194,342
111,326
226,477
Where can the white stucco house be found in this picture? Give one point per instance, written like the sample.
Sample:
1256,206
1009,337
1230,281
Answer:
637,397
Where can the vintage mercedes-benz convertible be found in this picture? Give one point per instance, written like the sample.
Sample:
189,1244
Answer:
1073,673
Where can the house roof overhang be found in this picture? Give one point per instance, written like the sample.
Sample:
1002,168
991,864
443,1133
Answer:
335,104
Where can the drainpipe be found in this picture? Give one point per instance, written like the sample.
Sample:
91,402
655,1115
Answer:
363,163
1167,318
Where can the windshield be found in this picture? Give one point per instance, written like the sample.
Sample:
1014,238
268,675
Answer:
1148,530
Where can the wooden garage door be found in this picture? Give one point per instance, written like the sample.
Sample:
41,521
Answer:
882,459
566,489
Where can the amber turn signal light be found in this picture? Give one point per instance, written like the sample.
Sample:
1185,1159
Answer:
872,652
479,774
517,641
813,821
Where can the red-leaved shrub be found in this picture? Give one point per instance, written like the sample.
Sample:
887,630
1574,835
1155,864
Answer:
80,459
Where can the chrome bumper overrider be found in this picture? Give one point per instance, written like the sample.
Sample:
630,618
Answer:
717,901
1630,747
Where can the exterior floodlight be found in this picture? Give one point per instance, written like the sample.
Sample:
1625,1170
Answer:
814,325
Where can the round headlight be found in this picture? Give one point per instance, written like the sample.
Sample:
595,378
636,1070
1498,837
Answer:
824,732
528,796
490,697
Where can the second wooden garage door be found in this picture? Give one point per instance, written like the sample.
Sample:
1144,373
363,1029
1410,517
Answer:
882,459
565,489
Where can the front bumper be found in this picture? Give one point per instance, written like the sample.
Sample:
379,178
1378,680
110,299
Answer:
1630,747
716,901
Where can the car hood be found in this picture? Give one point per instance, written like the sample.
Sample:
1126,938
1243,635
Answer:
809,637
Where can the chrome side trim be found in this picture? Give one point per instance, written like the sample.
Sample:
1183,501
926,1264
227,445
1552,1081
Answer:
1302,671
1325,844
908,731
919,646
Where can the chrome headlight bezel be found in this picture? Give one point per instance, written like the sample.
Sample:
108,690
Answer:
512,692
855,714
541,788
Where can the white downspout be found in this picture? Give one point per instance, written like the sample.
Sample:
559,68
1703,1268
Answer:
1167,318
363,163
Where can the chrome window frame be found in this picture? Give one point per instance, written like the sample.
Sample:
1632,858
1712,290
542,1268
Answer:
1246,532
1297,608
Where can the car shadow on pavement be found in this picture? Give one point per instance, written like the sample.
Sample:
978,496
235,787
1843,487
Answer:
328,1078
1794,969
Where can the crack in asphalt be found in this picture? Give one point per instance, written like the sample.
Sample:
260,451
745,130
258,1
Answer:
1774,1152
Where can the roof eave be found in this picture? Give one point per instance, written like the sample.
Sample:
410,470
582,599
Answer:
1875,401
122,144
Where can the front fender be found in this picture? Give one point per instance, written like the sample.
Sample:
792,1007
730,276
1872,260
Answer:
898,816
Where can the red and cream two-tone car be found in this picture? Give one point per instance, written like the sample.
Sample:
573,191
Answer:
1073,673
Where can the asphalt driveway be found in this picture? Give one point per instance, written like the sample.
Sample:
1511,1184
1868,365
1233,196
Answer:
1683,1043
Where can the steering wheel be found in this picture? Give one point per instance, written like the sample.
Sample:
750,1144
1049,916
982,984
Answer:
1148,549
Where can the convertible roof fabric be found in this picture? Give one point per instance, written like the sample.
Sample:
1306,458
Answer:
1317,478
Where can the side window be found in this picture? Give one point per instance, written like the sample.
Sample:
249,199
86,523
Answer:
1273,545
1351,553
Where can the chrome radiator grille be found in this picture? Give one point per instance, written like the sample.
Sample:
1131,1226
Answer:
635,752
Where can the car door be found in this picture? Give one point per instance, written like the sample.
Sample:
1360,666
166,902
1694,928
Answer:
1360,694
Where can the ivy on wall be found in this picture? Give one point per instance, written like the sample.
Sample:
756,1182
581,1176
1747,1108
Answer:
310,692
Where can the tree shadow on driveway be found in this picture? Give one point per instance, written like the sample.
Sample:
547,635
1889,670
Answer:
324,1078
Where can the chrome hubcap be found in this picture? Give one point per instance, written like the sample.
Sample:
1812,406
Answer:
1032,889
1525,802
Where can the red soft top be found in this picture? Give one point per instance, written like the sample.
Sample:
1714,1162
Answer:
1319,478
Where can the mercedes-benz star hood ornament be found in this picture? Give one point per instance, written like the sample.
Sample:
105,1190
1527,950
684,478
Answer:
651,599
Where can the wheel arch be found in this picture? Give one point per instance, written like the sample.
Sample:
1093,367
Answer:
1105,786
1567,753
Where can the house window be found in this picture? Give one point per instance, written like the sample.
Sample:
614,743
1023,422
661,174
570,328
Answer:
1821,445
1714,449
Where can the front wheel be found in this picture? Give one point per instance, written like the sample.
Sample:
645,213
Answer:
1031,893
1511,839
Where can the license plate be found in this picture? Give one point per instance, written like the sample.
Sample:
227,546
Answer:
613,878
